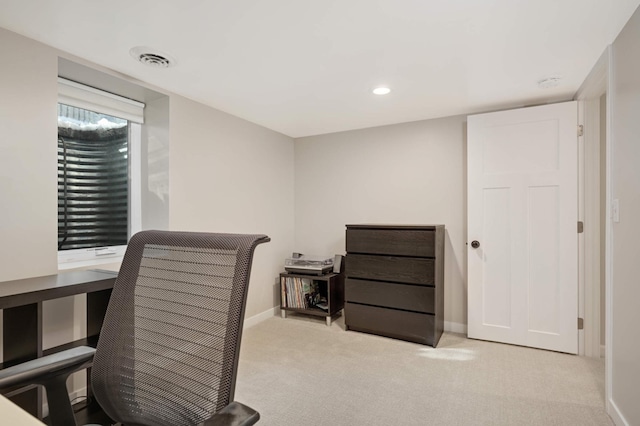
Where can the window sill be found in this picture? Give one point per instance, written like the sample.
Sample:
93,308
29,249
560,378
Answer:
85,264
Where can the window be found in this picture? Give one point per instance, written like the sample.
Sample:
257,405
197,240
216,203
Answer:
97,175
93,179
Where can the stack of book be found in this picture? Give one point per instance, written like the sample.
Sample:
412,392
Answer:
300,293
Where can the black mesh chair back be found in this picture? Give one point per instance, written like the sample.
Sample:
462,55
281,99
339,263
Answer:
169,346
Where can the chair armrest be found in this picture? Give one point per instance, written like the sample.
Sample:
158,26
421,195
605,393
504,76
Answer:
42,369
234,414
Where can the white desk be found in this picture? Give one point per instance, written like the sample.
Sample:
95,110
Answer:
11,414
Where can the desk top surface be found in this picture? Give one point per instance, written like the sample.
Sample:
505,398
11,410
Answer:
11,414
37,289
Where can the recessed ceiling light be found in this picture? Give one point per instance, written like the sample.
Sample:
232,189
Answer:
381,90
549,82
152,57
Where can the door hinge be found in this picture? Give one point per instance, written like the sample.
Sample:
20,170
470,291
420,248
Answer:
580,323
580,130
580,227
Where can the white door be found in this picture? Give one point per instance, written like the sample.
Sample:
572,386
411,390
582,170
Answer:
522,171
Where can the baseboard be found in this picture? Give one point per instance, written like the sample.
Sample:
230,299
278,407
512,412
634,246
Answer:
602,351
455,327
452,327
615,414
257,319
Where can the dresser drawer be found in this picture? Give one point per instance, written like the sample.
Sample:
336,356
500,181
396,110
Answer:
404,325
398,242
389,268
400,296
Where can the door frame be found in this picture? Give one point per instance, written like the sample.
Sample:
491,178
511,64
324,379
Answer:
588,96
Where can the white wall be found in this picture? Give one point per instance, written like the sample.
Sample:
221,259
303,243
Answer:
625,185
28,152
230,175
411,173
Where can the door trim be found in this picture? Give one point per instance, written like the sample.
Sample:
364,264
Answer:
597,83
589,208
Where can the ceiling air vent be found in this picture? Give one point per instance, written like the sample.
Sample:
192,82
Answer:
152,57
549,82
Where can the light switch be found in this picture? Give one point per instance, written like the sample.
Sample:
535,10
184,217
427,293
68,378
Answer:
615,210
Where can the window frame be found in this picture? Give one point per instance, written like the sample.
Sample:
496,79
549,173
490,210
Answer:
89,98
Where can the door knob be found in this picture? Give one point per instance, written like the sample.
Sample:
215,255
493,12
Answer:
475,244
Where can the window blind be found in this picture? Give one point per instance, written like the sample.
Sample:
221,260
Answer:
92,184
81,96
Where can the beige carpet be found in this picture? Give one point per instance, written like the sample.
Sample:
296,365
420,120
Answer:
298,371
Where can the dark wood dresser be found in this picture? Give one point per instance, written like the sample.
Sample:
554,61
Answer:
395,281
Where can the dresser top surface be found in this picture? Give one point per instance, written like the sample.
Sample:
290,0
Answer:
393,226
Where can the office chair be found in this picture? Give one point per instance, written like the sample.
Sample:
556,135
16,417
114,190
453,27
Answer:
168,349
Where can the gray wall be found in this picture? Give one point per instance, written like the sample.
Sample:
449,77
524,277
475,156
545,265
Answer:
230,175
625,183
412,173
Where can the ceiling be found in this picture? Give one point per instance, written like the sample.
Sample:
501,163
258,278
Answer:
307,67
